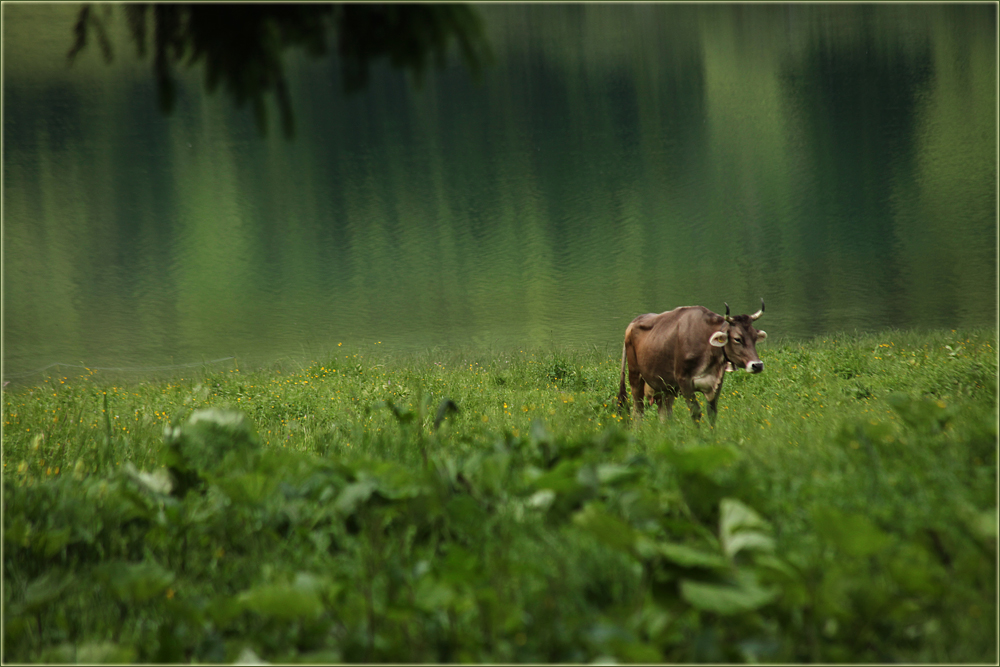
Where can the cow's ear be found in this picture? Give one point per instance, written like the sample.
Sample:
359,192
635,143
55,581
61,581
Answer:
761,335
719,339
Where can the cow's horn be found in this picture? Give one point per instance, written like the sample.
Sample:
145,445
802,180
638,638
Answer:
728,318
759,312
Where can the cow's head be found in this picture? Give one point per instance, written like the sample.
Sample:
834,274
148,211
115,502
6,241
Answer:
738,339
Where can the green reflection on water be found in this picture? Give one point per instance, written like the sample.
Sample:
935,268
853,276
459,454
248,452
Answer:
839,161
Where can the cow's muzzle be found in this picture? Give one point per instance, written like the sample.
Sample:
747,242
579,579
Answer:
755,366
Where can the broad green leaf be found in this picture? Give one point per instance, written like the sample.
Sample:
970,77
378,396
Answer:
985,524
326,656
223,609
248,488
466,514
734,515
354,495
307,581
539,433
685,556
211,440
52,541
726,599
233,421
775,564
637,652
616,643
104,652
17,626
397,482
285,601
854,534
136,504
611,474
91,653
248,657
431,595
794,589
609,529
915,570
742,528
17,531
445,408
703,459
747,539
460,566
45,589
491,473
136,582
922,414
560,479
980,524
157,482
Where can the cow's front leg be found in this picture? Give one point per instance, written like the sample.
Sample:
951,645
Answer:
667,407
665,400
712,398
712,411
661,405
695,408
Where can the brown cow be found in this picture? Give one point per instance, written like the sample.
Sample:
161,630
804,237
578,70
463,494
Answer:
685,350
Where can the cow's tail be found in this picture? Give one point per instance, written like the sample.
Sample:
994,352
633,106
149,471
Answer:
622,392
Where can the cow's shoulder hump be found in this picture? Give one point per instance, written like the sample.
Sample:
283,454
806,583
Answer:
673,317
706,315
645,322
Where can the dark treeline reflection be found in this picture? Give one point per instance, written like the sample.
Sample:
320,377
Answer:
839,161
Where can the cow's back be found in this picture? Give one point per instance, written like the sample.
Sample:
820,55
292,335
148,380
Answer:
664,342
682,324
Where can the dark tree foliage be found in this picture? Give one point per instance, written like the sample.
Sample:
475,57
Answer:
242,45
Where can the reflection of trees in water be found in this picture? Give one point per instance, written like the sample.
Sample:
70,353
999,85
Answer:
698,162
858,110
242,45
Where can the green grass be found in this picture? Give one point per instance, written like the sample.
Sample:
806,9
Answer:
843,508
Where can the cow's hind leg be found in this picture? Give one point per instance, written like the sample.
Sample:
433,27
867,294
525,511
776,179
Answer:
638,392
658,398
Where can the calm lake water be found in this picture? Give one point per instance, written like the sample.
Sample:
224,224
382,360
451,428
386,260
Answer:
838,160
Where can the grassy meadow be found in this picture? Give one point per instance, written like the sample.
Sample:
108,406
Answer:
493,506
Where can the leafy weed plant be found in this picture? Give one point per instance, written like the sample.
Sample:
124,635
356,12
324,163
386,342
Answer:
494,507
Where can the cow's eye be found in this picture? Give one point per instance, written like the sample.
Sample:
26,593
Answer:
738,341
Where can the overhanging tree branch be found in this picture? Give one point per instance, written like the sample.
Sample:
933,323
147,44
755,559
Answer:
242,45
